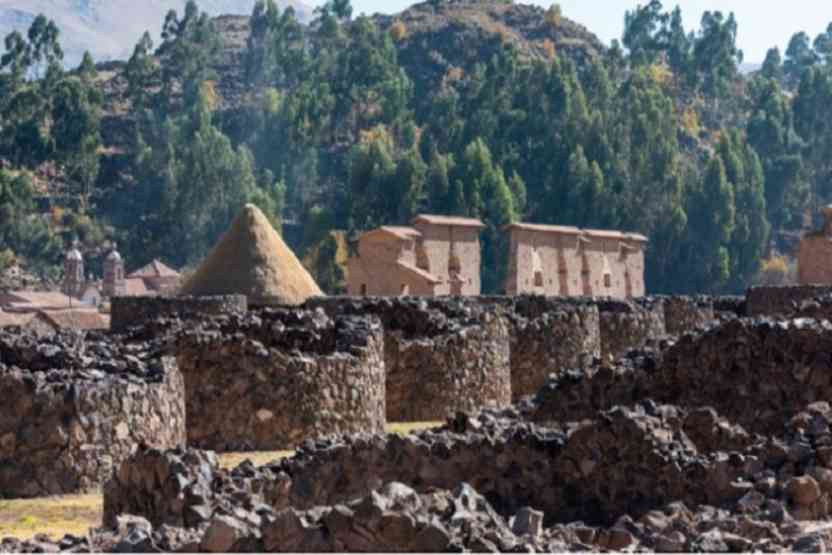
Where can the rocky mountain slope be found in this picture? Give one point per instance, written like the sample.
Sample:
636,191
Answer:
110,28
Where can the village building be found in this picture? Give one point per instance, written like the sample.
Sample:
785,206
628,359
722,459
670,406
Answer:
814,260
570,262
76,306
438,255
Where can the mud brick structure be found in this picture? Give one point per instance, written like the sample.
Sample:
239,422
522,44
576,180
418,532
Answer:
814,259
127,312
439,255
441,354
627,325
686,314
783,300
570,262
548,336
270,379
76,406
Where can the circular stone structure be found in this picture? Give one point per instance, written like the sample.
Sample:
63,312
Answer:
270,379
76,407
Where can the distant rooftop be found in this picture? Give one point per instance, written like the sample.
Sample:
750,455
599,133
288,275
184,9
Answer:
448,220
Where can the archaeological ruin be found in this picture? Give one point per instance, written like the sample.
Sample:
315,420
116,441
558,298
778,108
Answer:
569,262
661,423
814,260
439,255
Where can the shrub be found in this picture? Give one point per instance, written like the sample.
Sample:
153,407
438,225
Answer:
398,31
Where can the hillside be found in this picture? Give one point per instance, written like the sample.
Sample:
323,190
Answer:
110,28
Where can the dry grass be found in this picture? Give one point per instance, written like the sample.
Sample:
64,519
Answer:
76,514
54,516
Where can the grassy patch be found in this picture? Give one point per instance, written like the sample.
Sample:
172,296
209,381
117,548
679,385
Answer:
231,460
55,516
76,514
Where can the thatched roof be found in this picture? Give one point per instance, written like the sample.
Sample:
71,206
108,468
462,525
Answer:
251,259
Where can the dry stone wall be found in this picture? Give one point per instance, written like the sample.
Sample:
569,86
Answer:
273,378
128,312
441,355
756,373
627,325
76,406
549,336
781,301
686,314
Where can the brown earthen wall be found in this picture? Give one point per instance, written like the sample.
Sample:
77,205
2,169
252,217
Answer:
814,263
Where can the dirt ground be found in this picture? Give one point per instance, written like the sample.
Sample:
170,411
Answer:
76,514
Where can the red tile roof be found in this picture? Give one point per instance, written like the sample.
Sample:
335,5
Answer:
80,319
155,269
135,287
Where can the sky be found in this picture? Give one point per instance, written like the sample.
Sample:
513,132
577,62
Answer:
762,23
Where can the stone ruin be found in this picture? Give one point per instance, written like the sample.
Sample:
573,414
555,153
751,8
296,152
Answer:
715,439
269,379
77,405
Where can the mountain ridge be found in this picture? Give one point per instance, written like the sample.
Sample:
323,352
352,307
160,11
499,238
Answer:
109,29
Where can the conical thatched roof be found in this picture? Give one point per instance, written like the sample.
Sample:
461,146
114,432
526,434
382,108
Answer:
251,259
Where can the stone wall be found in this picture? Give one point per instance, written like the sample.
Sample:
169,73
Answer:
758,374
270,379
686,314
127,312
548,336
627,325
781,301
441,354
76,406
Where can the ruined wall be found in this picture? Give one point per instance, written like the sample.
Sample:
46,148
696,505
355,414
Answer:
437,239
556,254
549,336
126,312
686,314
76,407
626,325
782,301
271,379
441,354
758,374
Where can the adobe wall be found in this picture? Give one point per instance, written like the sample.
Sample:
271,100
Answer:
441,354
814,260
783,300
549,336
627,325
76,406
127,312
270,379
436,240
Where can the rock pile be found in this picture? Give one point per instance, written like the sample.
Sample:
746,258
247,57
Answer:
78,404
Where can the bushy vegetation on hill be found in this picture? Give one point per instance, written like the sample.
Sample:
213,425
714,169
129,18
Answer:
484,109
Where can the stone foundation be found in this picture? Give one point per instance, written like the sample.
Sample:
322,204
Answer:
128,312
272,379
549,336
76,407
627,325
